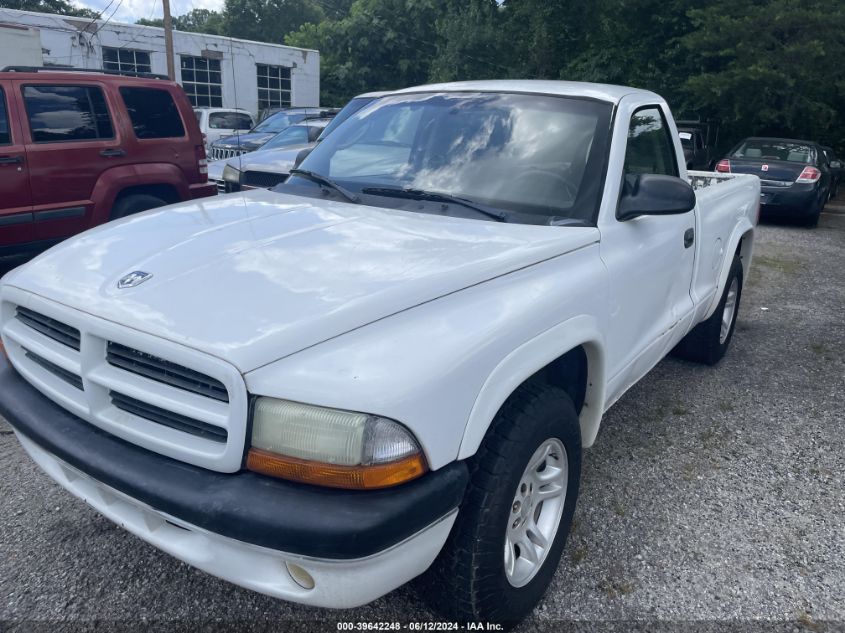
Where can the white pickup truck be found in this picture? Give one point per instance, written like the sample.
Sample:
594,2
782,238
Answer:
389,364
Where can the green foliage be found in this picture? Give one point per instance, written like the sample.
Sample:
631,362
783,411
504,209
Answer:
61,7
377,45
268,20
195,21
772,67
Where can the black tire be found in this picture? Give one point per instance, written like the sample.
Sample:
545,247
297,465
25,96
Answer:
812,220
468,582
703,344
135,203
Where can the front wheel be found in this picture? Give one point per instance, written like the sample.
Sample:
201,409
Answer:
708,341
513,522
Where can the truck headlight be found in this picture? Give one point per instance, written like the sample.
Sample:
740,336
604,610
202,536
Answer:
230,174
330,447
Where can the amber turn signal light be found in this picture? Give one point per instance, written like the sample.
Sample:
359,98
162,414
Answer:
333,476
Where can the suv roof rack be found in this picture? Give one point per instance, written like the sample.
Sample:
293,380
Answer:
70,69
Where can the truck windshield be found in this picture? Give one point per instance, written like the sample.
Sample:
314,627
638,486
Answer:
540,157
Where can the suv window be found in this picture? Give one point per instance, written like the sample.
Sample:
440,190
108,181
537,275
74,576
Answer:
67,113
650,149
5,136
229,121
153,113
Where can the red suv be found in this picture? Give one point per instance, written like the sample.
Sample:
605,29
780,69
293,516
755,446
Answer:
81,148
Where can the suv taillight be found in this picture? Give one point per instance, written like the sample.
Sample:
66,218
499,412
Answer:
810,174
724,166
202,163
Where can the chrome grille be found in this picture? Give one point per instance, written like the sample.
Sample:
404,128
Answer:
221,185
168,418
219,153
165,372
52,328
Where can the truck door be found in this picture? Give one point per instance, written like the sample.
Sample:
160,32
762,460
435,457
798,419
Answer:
649,260
15,194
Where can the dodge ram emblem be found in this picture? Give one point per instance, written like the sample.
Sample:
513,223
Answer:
135,278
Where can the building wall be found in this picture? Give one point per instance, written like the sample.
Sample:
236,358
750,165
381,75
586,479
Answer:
78,42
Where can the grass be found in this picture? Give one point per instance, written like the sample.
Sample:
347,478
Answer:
781,264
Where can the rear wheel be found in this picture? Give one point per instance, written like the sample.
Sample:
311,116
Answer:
709,340
135,203
513,522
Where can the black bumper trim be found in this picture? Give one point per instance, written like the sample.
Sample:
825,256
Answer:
281,515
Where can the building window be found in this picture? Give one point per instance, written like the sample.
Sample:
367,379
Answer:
202,81
126,60
273,86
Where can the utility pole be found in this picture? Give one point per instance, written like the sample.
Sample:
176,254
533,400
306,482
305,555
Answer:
168,40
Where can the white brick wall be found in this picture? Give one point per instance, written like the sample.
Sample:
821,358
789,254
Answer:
75,42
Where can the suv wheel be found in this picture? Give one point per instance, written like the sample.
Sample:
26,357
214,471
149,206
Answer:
135,203
512,525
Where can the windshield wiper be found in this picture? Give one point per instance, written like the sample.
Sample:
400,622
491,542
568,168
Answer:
436,196
328,182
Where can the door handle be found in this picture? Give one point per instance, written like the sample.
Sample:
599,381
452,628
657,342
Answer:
113,152
11,160
689,237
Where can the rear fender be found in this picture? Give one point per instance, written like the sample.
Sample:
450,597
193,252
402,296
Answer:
744,232
115,180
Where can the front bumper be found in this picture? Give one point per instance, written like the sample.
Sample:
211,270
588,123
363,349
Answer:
243,527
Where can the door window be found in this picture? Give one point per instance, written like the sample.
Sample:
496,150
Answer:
67,113
153,113
650,149
5,135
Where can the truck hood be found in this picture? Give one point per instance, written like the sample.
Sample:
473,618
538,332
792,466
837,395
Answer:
254,277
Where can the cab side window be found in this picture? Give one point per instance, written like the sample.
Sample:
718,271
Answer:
5,136
650,149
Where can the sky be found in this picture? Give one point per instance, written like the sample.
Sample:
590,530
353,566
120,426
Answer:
133,10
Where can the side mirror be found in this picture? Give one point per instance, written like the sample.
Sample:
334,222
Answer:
654,194
836,164
302,156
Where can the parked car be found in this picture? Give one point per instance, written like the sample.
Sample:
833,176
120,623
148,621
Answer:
217,123
81,148
837,171
268,128
389,364
263,168
795,175
699,139
296,136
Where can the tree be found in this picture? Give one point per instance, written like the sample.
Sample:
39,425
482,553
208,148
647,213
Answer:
61,7
195,21
771,67
469,42
379,45
269,20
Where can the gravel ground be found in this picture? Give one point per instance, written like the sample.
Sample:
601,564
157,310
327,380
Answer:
712,500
